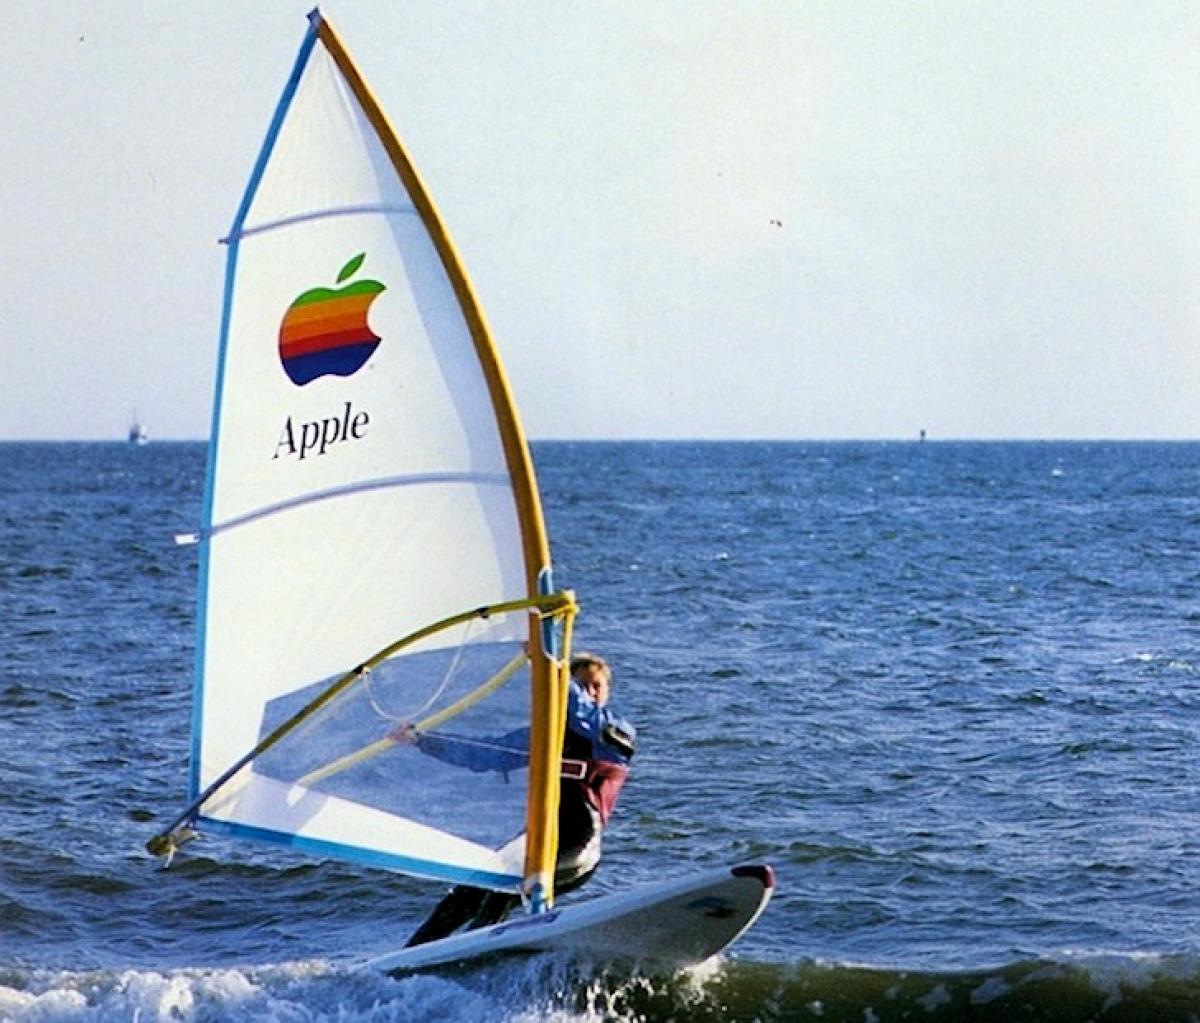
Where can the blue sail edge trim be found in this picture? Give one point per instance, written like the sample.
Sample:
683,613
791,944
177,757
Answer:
281,109
348,490
432,869
260,165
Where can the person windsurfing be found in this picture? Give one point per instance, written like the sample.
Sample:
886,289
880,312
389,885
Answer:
597,749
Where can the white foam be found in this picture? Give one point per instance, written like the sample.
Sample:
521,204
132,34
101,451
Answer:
287,993
1115,974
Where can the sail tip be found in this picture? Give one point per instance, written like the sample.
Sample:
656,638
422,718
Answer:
314,17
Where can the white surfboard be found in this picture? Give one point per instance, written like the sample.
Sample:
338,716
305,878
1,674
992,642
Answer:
661,927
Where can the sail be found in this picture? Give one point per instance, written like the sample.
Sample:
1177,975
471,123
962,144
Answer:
376,618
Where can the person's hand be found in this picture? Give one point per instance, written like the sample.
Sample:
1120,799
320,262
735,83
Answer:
404,735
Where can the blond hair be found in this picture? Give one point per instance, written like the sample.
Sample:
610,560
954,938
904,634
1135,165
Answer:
583,659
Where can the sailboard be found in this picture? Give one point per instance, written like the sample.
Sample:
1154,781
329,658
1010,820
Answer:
373,557
658,928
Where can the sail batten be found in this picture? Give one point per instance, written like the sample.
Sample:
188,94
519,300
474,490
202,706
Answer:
369,479
300,218
349,490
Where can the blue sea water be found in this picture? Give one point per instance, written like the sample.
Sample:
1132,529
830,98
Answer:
949,690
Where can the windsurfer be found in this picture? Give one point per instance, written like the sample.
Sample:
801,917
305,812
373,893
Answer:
597,749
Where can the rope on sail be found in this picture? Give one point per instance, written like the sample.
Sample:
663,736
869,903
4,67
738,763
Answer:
447,676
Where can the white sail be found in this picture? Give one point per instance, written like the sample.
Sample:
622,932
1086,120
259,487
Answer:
367,477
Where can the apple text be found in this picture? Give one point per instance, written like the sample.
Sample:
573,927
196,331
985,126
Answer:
317,436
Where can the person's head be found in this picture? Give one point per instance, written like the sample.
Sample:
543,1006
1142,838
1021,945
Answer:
593,675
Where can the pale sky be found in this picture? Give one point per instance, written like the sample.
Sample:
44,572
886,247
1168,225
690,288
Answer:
775,219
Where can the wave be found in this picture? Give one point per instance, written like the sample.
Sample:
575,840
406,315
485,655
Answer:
1107,988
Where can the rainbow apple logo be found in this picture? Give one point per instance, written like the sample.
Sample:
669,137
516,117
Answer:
325,332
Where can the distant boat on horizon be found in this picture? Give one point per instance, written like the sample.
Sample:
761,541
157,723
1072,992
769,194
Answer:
137,431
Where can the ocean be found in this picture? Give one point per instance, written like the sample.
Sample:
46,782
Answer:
949,690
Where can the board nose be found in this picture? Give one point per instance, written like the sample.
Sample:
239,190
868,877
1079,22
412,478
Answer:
763,872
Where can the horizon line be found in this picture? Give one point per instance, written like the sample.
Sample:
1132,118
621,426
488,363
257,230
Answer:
762,439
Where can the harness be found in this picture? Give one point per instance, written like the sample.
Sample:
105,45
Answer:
576,770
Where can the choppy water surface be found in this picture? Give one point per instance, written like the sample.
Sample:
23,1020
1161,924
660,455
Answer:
949,690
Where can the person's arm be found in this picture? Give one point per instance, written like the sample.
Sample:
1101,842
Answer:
620,736
508,752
